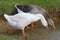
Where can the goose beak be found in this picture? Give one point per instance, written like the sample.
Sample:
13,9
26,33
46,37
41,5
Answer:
53,26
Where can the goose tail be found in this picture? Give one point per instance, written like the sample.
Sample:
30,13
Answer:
17,6
6,16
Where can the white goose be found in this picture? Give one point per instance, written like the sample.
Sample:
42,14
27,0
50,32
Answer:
36,10
21,20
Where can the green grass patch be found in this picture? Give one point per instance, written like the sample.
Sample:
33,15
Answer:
6,6
4,37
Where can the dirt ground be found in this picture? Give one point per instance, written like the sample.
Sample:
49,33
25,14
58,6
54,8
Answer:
37,33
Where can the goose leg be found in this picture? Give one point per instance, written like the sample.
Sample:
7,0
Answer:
47,27
27,27
32,24
24,33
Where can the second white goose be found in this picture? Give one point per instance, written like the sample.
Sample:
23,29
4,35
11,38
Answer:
21,20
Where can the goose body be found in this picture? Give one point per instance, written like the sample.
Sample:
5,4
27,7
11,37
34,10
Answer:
33,9
21,20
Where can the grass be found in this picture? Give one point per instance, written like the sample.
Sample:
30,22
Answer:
6,6
2,37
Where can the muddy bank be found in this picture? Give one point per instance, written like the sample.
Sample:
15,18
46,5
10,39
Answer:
54,12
